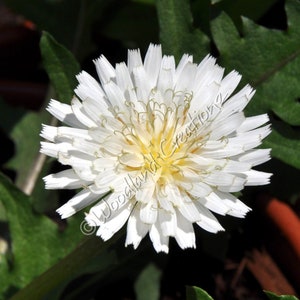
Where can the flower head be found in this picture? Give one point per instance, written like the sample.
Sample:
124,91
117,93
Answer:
162,147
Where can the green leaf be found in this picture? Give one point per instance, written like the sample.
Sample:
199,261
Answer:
177,34
147,285
61,67
196,293
270,61
273,296
36,241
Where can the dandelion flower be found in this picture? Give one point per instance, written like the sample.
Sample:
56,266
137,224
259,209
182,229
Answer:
157,146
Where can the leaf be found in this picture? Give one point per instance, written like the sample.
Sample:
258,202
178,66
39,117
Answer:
270,61
36,241
273,296
147,285
176,31
61,67
196,293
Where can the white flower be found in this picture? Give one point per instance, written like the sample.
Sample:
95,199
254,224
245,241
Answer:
162,145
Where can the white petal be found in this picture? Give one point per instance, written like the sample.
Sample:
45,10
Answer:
222,150
160,242
166,77
228,84
66,179
95,111
251,139
124,81
111,226
206,71
255,157
186,77
54,150
164,201
51,133
237,208
168,222
201,161
89,88
146,190
104,69
173,194
253,122
78,111
223,179
115,97
257,178
185,59
131,159
123,78
236,185
134,59
207,89
196,189
107,209
136,229
78,202
76,159
185,235
232,166
148,212
112,146
226,126
87,147
101,163
238,101
189,210
109,177
143,87
214,203
208,220
63,112
152,63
